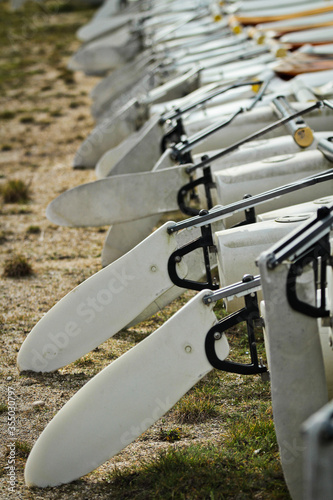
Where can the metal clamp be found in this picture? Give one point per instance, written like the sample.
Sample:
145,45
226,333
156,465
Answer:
206,243
207,181
319,256
249,314
174,135
250,214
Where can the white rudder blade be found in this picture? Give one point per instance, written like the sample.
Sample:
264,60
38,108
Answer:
126,398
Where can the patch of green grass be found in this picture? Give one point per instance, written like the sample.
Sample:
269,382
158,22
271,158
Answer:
170,435
67,76
56,113
22,449
27,119
45,88
85,362
3,237
17,266
200,472
44,123
7,115
65,6
3,408
195,407
254,434
15,191
33,230
75,104
60,95
21,210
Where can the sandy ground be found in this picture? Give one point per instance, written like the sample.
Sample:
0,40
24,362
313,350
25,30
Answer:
38,141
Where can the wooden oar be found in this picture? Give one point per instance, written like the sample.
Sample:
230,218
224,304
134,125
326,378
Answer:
252,5
319,36
258,18
298,63
279,28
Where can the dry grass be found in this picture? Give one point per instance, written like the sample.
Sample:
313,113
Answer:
17,266
15,191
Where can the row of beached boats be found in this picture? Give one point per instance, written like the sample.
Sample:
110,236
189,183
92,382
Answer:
223,112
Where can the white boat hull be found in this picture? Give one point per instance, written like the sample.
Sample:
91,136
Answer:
296,369
255,178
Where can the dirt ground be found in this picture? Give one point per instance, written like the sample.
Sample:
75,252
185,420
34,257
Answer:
41,155
41,128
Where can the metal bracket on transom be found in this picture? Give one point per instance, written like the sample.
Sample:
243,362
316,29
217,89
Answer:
188,192
250,315
319,256
173,135
288,118
176,137
308,245
205,242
